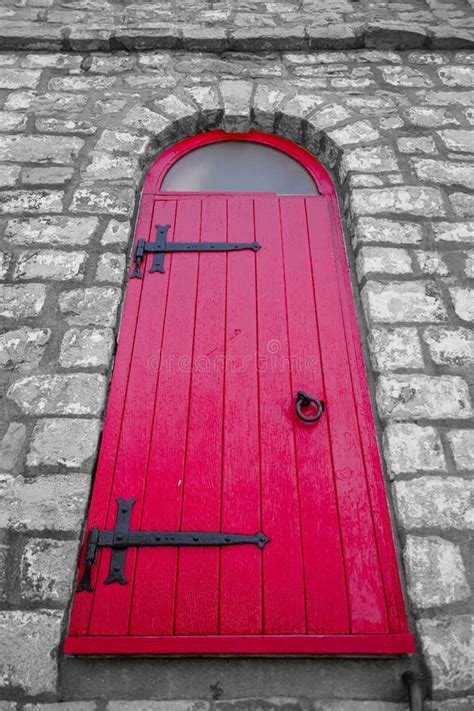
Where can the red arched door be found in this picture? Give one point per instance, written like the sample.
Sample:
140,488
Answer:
221,521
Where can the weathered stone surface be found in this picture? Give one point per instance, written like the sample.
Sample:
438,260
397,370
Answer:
11,446
434,502
116,233
458,140
86,348
76,83
444,172
17,78
64,125
9,174
358,132
118,200
456,76
31,201
453,346
462,447
371,229
469,265
4,571
146,120
382,260
403,301
4,264
435,570
45,103
70,443
428,117
446,643
462,204
393,348
106,166
95,306
28,642
208,101
40,149
158,706
352,705
463,301
11,121
54,503
408,397
56,229
431,263
464,704
121,142
47,570
23,348
78,394
50,264
379,159
236,102
111,268
62,706
405,76
22,301
416,144
411,448
56,175
409,199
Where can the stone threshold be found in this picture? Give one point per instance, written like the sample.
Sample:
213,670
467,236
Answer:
42,36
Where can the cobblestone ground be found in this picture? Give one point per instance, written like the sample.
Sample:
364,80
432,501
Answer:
78,132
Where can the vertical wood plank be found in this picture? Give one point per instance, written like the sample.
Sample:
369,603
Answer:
364,581
240,573
283,578
326,595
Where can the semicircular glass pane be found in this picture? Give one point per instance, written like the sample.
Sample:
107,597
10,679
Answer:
238,166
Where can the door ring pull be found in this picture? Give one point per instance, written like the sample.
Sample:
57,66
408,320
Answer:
304,400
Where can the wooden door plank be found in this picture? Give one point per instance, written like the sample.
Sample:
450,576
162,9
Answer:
283,578
326,595
153,604
197,590
111,606
240,570
366,595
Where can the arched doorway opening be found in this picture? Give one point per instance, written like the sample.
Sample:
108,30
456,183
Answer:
238,505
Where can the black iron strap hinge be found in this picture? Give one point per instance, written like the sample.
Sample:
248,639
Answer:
160,246
121,538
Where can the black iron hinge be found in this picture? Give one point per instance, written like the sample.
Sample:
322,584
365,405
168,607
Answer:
121,538
160,246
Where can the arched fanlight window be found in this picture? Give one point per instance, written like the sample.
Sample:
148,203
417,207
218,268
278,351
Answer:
238,166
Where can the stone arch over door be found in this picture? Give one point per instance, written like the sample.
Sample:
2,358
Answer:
370,207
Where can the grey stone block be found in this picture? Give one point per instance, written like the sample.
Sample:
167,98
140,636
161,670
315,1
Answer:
447,645
28,642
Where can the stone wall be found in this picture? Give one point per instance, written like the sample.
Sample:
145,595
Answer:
78,132
223,25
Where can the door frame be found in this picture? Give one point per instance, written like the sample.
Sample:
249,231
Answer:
399,640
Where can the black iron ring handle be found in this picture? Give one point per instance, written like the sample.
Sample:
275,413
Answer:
304,400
